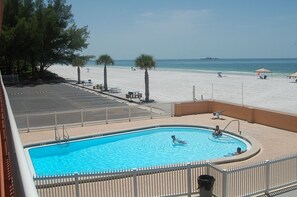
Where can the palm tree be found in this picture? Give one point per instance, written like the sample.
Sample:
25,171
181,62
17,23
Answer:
80,61
145,62
106,60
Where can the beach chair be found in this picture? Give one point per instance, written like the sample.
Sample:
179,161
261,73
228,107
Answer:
217,114
220,74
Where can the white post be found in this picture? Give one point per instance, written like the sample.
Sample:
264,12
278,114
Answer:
151,112
56,121
129,109
225,185
242,93
106,115
82,117
189,179
211,90
267,172
135,183
207,168
194,96
76,184
28,125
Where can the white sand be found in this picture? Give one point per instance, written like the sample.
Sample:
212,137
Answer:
171,86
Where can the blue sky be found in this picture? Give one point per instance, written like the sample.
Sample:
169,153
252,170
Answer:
189,29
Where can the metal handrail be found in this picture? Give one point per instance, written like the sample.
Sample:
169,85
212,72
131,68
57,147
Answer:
65,134
57,136
238,127
24,184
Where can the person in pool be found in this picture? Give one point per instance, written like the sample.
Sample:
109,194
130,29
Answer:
217,132
239,151
177,141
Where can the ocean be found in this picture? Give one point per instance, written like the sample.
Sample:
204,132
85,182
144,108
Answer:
279,67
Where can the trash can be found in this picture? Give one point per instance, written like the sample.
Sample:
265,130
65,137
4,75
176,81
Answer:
205,184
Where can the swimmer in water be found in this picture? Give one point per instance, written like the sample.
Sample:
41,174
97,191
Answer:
177,141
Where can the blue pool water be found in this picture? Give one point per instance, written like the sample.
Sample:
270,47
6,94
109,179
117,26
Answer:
143,148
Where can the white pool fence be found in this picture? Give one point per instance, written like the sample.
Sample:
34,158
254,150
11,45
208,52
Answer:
174,180
82,117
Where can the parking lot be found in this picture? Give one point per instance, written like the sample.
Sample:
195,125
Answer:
61,103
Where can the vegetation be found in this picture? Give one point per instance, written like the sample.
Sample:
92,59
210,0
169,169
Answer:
105,60
80,61
37,34
145,62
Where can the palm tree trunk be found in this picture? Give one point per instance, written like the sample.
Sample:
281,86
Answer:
78,74
105,78
147,91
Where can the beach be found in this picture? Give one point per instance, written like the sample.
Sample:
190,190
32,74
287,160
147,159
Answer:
274,93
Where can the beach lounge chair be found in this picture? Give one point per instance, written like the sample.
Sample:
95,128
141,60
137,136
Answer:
217,114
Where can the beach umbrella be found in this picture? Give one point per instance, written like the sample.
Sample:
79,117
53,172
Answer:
263,70
294,75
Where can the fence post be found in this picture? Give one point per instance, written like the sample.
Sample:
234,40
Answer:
28,125
211,90
189,179
151,112
194,96
207,168
242,93
225,184
106,115
267,173
82,117
135,182
76,184
129,109
56,121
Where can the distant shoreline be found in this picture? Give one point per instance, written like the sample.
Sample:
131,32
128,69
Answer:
279,67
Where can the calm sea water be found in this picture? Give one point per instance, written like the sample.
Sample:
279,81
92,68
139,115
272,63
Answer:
280,67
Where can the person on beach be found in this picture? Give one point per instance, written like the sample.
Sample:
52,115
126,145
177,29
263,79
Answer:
177,141
217,132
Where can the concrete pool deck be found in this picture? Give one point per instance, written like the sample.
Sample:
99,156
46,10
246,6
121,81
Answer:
274,143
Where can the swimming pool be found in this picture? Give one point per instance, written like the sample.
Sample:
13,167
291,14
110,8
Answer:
135,149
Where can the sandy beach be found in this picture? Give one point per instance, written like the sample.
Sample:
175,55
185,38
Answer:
274,93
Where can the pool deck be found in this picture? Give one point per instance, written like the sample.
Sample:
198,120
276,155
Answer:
274,143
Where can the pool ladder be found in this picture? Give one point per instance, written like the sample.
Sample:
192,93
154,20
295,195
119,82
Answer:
65,134
238,125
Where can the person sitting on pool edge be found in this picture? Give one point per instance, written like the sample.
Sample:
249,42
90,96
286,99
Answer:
177,141
239,151
217,132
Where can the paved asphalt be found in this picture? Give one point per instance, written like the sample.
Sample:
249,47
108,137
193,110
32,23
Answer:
61,97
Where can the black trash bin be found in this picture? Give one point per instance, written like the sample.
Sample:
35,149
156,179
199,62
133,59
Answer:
205,184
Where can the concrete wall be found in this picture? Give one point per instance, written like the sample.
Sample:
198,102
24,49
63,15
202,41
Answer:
253,115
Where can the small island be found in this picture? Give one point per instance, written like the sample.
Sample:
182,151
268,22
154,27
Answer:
210,58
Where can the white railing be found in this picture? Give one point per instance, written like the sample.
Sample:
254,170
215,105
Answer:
22,179
177,180
83,117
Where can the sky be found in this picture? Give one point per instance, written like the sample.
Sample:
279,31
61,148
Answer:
189,29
